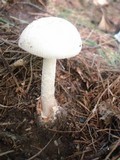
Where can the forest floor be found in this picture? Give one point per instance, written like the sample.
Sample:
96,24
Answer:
87,86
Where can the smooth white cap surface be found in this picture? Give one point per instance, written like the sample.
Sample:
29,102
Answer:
51,37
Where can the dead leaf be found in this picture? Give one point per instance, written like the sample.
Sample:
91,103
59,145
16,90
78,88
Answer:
18,63
106,25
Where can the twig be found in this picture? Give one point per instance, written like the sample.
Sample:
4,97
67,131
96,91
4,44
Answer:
6,124
7,152
8,42
35,6
74,99
31,76
20,20
41,2
92,139
3,106
110,86
114,147
13,137
37,154
87,38
95,107
10,71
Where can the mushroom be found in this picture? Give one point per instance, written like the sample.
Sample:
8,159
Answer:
51,38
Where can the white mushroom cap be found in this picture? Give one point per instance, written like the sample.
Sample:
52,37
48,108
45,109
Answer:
51,37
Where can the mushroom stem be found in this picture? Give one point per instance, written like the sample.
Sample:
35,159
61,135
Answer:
48,89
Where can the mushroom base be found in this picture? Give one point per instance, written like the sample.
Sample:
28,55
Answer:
57,114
